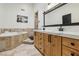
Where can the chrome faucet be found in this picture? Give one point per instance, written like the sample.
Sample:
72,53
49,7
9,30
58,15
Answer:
61,29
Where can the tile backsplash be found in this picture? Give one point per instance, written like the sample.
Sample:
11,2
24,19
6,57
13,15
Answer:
28,30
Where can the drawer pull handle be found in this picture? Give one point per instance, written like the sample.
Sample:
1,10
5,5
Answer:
72,44
40,38
72,54
49,39
40,48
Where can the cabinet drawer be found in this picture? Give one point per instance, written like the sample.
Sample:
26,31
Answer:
73,43
45,36
36,33
40,34
41,46
66,51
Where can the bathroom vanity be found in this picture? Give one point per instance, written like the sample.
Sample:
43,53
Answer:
56,43
10,40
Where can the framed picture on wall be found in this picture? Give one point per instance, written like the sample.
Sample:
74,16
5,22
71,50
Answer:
22,19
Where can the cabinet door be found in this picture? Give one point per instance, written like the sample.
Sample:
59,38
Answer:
46,45
55,46
41,42
36,39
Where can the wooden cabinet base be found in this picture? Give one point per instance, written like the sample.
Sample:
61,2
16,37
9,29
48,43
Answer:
48,45
54,45
39,51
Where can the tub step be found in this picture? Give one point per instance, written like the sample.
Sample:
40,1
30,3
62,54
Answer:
28,41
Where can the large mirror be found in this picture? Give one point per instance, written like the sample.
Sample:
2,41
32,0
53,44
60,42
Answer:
55,16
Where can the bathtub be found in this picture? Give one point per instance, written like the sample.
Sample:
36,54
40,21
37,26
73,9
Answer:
5,34
10,40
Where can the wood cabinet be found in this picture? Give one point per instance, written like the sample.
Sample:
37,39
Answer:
46,44
73,43
38,41
66,51
52,45
49,45
70,47
55,45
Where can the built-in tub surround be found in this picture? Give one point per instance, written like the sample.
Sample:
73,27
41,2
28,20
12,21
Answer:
10,40
28,30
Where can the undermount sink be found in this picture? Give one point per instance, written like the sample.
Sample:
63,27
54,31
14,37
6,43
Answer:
55,32
71,33
60,32
63,32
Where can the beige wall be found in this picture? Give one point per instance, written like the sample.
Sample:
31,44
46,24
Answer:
9,12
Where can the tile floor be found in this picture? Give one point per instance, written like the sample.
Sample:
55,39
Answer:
22,50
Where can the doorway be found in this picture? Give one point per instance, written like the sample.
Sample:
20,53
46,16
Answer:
36,21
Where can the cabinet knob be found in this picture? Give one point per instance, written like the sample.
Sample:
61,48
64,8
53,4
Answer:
40,38
72,44
72,54
49,39
40,48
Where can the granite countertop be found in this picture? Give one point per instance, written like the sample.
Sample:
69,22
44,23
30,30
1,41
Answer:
74,35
